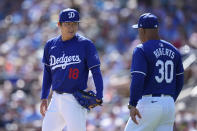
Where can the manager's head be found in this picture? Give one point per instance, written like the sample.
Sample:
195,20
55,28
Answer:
147,27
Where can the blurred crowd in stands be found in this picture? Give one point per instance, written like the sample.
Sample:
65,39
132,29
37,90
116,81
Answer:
26,25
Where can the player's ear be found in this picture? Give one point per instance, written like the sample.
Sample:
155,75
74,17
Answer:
59,24
144,31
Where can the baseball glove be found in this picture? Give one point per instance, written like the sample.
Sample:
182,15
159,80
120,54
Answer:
87,99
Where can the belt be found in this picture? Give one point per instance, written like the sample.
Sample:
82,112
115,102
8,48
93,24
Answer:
157,95
59,92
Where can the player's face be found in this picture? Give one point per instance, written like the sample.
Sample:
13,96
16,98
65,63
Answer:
141,34
68,29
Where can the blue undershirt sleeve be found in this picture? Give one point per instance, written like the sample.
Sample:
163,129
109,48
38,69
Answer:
46,85
136,88
179,85
179,77
98,81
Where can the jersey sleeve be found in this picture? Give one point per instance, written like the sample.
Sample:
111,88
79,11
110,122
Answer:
179,68
45,58
138,72
139,63
92,56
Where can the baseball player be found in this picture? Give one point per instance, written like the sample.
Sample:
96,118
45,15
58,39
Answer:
67,60
157,79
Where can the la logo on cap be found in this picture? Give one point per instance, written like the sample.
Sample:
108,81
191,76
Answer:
71,15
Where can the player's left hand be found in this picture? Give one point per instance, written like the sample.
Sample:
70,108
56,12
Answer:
88,99
98,101
133,112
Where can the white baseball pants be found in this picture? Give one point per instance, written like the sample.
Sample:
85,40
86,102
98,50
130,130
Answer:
158,114
62,111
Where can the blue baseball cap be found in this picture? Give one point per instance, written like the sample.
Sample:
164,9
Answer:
147,21
69,15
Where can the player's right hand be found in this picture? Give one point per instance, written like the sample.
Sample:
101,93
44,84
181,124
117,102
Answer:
133,112
43,107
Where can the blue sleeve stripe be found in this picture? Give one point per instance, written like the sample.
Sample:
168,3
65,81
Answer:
94,66
138,72
180,73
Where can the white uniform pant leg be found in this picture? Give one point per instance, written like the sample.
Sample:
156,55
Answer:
73,113
157,115
53,121
150,112
167,121
165,127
